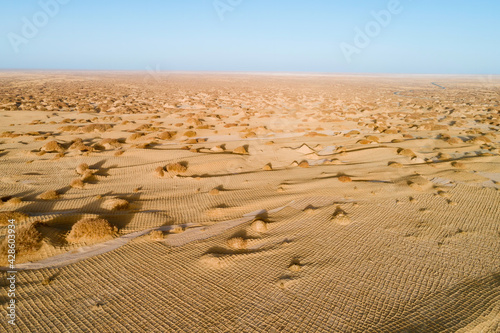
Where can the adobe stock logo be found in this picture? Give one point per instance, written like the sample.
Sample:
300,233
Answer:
372,29
30,28
223,6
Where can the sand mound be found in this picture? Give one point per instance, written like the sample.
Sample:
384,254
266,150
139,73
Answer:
49,195
17,216
406,152
91,230
237,243
259,226
214,191
268,167
304,164
115,204
160,171
190,134
240,150
394,164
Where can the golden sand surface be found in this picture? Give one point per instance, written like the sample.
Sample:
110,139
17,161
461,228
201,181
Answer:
218,202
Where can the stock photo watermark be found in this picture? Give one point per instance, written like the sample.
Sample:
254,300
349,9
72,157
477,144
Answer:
11,274
224,6
31,27
371,30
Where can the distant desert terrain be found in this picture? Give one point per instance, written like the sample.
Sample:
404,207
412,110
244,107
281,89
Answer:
205,202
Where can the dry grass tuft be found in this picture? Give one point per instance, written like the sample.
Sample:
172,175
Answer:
156,235
14,201
237,243
82,168
87,175
340,217
52,146
96,128
77,183
49,195
28,240
345,179
177,229
176,167
11,215
116,204
109,143
91,229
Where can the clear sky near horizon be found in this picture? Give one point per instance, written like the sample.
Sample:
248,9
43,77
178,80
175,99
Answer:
419,36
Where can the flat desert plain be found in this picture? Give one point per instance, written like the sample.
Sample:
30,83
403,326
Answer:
217,202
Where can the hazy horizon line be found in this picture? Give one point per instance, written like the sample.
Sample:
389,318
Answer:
254,72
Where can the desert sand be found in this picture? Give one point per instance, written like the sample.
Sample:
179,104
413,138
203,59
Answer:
218,202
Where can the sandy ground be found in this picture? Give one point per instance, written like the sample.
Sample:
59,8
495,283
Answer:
251,203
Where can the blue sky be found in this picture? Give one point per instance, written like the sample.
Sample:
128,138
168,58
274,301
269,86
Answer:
422,36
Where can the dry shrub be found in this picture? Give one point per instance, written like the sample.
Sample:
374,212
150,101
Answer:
116,204
28,240
91,229
156,235
49,195
345,179
77,183
176,229
80,146
11,215
176,167
14,201
88,174
68,128
52,146
82,168
237,243
109,143
96,128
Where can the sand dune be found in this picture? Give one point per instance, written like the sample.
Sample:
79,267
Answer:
252,203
